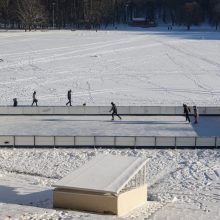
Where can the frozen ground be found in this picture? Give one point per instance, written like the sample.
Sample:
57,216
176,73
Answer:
130,67
182,184
103,126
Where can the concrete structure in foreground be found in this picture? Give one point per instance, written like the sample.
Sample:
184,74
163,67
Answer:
107,184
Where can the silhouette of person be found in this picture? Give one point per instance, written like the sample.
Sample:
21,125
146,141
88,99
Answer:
69,98
15,102
186,112
196,114
34,99
114,111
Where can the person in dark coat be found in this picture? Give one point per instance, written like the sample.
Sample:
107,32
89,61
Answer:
15,102
69,97
114,111
186,112
34,99
196,114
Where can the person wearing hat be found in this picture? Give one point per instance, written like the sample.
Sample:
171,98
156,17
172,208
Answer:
196,114
34,99
114,111
69,98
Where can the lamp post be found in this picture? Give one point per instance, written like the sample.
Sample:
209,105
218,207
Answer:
126,13
53,13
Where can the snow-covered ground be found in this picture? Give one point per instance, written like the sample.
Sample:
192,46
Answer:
129,66
182,184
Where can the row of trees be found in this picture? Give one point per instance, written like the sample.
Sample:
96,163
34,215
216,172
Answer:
30,14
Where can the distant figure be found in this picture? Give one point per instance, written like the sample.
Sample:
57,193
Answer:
114,111
196,114
84,104
69,98
186,112
34,99
169,27
15,102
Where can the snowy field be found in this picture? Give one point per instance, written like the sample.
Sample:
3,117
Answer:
130,67
182,184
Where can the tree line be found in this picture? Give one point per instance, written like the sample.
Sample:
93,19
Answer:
32,14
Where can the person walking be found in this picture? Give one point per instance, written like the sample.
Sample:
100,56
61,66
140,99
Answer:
114,111
196,114
69,98
186,112
34,99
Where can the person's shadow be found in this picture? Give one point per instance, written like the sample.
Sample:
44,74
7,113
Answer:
207,126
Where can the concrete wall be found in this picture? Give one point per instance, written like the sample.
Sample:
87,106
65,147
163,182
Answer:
103,110
108,141
86,201
132,199
7,141
97,202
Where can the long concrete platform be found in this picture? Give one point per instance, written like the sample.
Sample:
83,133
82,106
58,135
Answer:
104,126
104,110
131,131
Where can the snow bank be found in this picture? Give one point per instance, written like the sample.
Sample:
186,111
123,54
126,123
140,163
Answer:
176,178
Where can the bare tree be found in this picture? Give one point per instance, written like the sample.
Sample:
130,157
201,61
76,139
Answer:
215,9
87,13
5,11
31,13
190,14
216,15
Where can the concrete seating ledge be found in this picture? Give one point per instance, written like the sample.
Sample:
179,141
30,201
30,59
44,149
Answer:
103,110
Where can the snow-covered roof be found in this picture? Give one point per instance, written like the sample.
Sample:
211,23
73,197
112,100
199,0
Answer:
104,173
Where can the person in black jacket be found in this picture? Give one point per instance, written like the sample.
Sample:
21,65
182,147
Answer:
114,111
15,102
186,112
69,98
196,114
34,99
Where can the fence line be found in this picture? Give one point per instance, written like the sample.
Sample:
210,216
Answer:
109,141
